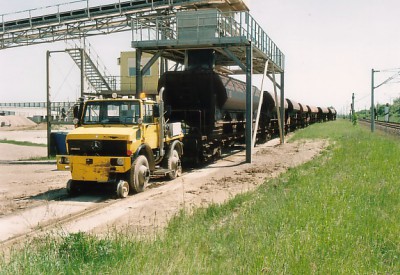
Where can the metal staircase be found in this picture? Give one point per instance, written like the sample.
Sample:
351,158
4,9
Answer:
95,72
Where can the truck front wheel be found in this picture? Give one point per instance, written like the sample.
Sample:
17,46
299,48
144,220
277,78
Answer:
139,174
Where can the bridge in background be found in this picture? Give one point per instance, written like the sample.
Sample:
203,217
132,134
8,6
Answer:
78,19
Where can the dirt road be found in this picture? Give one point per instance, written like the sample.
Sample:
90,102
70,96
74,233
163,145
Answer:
32,196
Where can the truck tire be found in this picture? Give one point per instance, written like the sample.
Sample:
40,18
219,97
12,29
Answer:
174,164
139,175
72,188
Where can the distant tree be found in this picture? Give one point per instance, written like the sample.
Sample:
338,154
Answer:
395,108
380,110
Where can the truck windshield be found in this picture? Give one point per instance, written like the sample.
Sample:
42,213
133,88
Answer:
111,112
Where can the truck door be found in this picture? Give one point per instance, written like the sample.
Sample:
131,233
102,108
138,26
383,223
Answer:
150,126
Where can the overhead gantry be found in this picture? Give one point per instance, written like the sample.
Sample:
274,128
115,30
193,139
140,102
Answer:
78,19
239,43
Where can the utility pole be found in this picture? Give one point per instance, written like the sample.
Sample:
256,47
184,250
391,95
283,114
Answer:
48,94
372,102
352,108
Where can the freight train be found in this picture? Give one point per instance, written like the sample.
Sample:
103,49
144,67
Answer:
211,108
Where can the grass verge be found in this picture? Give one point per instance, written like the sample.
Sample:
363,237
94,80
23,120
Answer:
22,143
337,214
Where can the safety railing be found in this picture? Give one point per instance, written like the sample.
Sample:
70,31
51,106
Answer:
228,24
54,105
73,10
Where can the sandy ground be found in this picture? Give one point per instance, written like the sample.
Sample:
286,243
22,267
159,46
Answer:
28,192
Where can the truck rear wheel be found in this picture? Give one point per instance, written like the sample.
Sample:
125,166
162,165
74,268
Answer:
139,175
174,164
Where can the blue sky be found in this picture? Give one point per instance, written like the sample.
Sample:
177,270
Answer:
330,48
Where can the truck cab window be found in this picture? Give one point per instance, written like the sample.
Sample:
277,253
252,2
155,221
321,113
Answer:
111,112
148,113
92,114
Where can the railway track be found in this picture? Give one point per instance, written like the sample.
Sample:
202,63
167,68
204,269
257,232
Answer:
394,126
57,214
38,219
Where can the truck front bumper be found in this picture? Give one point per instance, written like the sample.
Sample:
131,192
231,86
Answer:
93,168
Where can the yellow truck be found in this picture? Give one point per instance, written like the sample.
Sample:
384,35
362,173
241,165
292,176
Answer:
121,142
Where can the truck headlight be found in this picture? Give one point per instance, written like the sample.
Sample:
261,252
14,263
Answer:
120,161
64,160
117,161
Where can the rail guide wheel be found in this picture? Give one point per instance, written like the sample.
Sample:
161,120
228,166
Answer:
174,164
122,189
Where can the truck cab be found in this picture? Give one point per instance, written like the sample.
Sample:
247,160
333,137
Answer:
121,142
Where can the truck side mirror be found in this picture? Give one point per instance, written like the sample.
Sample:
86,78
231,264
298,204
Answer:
76,111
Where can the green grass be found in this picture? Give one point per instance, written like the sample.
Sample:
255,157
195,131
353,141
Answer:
39,158
22,143
338,214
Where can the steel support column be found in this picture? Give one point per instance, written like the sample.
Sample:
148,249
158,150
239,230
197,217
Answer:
48,105
48,98
139,77
249,102
283,107
82,72
372,102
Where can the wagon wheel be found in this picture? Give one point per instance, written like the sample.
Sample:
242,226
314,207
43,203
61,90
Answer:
174,164
139,175
218,153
